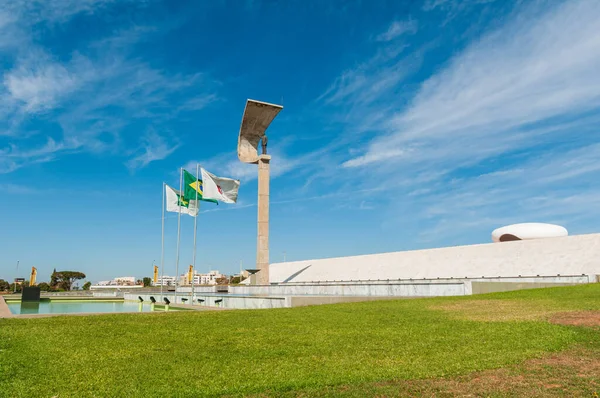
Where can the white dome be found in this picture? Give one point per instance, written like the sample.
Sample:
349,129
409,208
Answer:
528,231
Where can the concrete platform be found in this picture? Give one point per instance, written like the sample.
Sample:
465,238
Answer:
4,310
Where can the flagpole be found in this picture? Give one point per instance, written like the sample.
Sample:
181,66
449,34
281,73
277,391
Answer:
178,232
195,228
162,245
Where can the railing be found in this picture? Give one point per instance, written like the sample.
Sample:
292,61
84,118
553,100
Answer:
73,293
426,280
108,294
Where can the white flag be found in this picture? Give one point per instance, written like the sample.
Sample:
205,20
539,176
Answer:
176,203
221,189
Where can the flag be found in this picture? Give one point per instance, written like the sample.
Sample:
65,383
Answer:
176,203
155,276
219,188
191,186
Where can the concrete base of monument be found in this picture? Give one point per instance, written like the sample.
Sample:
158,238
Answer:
303,294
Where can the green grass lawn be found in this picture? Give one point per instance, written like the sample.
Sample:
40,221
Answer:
309,350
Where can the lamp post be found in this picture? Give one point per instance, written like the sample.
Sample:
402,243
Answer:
15,279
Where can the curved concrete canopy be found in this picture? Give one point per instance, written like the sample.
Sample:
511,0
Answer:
257,118
528,231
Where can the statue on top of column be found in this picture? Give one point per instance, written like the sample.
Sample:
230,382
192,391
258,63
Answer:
265,140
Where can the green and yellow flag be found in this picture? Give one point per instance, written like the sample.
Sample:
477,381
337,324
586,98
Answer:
191,185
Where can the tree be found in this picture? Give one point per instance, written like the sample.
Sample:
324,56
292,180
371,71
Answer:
222,281
44,287
87,285
4,285
17,289
54,280
147,281
235,280
65,279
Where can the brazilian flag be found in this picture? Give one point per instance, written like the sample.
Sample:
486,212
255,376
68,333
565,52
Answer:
191,185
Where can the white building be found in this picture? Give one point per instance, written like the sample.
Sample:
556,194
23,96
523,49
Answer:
519,256
165,281
119,281
125,280
211,278
202,279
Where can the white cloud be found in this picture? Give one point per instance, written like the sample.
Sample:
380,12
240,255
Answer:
13,158
14,189
54,11
94,100
452,5
124,92
196,103
557,188
369,158
154,147
397,29
10,34
20,18
39,84
533,69
452,8
505,131
95,95
368,81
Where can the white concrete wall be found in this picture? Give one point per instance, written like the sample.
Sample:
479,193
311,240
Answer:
107,294
197,289
570,255
415,289
244,303
239,302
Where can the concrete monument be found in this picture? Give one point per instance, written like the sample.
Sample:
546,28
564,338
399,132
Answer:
257,118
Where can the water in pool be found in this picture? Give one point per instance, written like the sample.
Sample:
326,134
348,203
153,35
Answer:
72,307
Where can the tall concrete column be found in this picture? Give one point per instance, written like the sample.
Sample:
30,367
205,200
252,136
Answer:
255,121
262,242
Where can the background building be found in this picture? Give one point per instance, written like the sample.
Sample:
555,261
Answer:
119,281
202,279
543,257
165,281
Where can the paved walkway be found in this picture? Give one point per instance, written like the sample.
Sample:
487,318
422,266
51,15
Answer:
4,310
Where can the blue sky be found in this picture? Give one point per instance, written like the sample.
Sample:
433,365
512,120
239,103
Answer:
406,125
